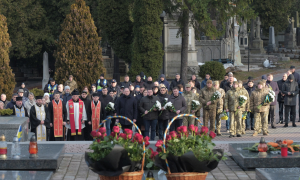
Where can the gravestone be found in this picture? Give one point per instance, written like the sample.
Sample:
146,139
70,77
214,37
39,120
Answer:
297,20
277,173
237,52
290,36
9,126
49,158
45,69
271,45
257,46
26,175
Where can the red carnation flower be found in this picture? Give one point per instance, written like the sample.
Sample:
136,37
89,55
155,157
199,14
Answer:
123,135
168,137
147,143
212,134
159,143
192,128
146,139
173,134
204,130
98,134
116,129
93,133
102,130
128,131
196,128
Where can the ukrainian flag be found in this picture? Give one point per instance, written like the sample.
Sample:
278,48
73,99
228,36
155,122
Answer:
19,134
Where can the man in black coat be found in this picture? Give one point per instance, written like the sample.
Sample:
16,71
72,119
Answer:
114,86
126,82
246,83
224,81
163,119
26,91
126,106
290,90
296,75
176,82
149,84
12,102
197,83
280,98
250,121
228,85
88,110
105,99
275,88
149,118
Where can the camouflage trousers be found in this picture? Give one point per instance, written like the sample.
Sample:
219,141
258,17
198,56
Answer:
261,122
235,122
209,115
188,120
197,114
218,123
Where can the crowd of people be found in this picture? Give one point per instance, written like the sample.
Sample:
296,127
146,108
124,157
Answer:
71,115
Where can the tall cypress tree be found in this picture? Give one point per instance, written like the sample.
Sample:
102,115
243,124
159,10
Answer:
78,49
7,78
147,50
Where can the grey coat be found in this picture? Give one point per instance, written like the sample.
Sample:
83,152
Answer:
179,103
292,87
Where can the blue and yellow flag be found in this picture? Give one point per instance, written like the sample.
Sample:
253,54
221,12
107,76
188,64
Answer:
19,133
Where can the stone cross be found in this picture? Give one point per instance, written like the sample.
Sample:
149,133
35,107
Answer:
45,69
292,26
258,23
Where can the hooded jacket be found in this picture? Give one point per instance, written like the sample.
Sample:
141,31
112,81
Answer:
165,82
292,87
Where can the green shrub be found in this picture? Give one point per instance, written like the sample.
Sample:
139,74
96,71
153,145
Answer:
7,78
37,92
4,112
214,68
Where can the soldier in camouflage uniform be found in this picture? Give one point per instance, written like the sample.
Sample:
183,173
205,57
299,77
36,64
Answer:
189,96
232,106
219,107
246,105
209,107
266,90
197,113
260,115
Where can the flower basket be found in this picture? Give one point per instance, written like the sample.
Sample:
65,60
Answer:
186,166
119,159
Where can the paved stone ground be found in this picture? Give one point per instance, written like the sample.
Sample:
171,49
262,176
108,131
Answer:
73,167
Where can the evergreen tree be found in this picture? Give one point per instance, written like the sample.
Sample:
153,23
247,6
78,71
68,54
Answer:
7,78
147,50
116,22
78,51
27,26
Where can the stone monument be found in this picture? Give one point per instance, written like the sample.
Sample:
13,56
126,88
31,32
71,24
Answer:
271,45
9,126
297,20
237,52
45,69
258,47
290,36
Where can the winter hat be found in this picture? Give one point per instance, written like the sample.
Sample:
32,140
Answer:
46,94
216,83
264,77
67,87
162,76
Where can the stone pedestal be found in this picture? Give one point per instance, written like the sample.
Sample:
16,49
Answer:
26,175
9,126
237,52
258,47
290,41
49,158
277,173
45,69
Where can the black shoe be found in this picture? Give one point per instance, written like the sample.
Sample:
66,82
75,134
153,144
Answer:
294,125
248,129
252,129
231,136
219,134
281,122
286,125
299,120
238,135
273,127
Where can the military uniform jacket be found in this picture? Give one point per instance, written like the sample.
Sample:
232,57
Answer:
257,97
220,105
232,99
189,97
205,96
244,92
